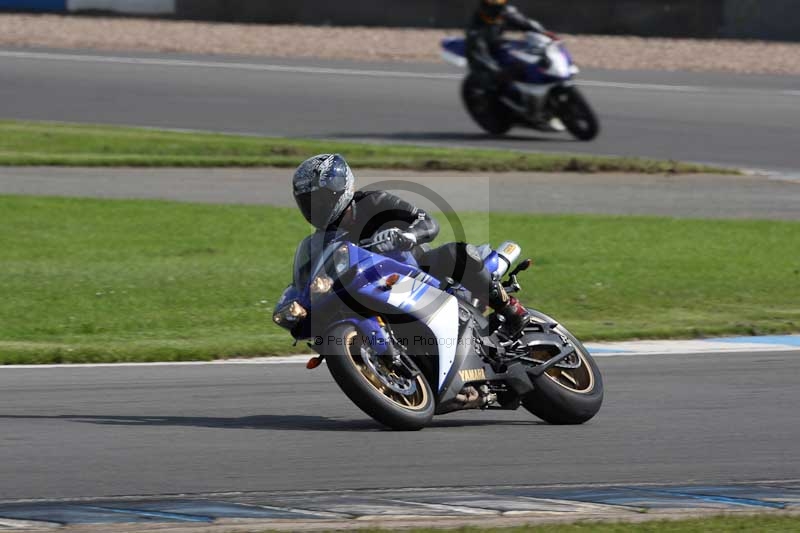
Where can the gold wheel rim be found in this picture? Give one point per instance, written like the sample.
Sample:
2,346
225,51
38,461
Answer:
416,402
578,380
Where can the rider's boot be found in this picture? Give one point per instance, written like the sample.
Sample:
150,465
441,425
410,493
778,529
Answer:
515,315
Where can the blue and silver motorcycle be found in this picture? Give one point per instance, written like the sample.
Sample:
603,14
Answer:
404,346
543,97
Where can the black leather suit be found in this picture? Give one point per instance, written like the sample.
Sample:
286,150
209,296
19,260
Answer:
373,211
485,34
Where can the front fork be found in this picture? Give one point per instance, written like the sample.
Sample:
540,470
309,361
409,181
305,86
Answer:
376,333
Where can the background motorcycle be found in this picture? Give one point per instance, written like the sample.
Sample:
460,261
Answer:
543,98
404,346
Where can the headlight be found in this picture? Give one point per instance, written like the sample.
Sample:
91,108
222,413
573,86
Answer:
289,315
321,286
341,260
337,264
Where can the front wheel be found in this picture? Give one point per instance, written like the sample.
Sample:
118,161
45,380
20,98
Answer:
576,113
399,398
567,395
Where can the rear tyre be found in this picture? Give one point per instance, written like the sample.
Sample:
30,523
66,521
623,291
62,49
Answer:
395,400
484,107
567,396
576,114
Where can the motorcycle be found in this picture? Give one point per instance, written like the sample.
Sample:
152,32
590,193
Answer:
404,346
543,97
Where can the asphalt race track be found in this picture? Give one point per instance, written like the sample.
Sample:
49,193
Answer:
751,121
70,432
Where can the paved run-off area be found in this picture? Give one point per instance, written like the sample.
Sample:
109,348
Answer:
700,196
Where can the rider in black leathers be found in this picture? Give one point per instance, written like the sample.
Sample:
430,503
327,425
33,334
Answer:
484,35
324,189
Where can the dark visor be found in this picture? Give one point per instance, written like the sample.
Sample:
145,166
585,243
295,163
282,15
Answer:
317,206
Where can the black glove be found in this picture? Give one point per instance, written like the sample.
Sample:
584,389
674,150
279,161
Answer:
394,239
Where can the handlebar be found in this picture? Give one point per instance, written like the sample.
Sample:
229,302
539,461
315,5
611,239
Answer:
402,240
369,243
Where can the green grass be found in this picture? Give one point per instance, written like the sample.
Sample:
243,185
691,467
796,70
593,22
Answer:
50,144
721,524
100,280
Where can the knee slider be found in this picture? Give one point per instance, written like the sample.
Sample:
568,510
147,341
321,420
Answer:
474,261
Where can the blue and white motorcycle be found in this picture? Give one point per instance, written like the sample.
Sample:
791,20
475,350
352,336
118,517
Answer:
544,97
404,346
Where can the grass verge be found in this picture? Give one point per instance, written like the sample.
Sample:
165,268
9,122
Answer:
55,144
87,280
719,524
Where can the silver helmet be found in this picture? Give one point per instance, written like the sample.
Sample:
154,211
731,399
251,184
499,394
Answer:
323,188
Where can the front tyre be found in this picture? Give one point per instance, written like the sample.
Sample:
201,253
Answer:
576,113
390,397
567,396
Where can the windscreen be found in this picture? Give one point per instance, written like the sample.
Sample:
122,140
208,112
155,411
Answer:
310,253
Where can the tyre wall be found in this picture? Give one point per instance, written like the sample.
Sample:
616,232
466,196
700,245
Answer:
131,7
753,19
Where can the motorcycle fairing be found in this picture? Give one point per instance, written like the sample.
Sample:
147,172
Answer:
415,294
364,258
435,309
432,308
454,51
550,64
289,295
520,52
470,366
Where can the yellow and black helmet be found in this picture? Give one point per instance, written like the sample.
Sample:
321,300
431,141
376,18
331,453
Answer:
490,10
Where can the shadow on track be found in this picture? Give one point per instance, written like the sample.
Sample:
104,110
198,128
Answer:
261,422
448,136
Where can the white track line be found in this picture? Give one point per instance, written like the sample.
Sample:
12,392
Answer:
148,61
27,524
650,87
261,67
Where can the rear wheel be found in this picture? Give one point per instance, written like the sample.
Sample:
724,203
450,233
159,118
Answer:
399,398
567,395
484,107
576,113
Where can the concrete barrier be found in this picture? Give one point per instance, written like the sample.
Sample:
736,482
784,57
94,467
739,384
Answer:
137,7
762,19
34,5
